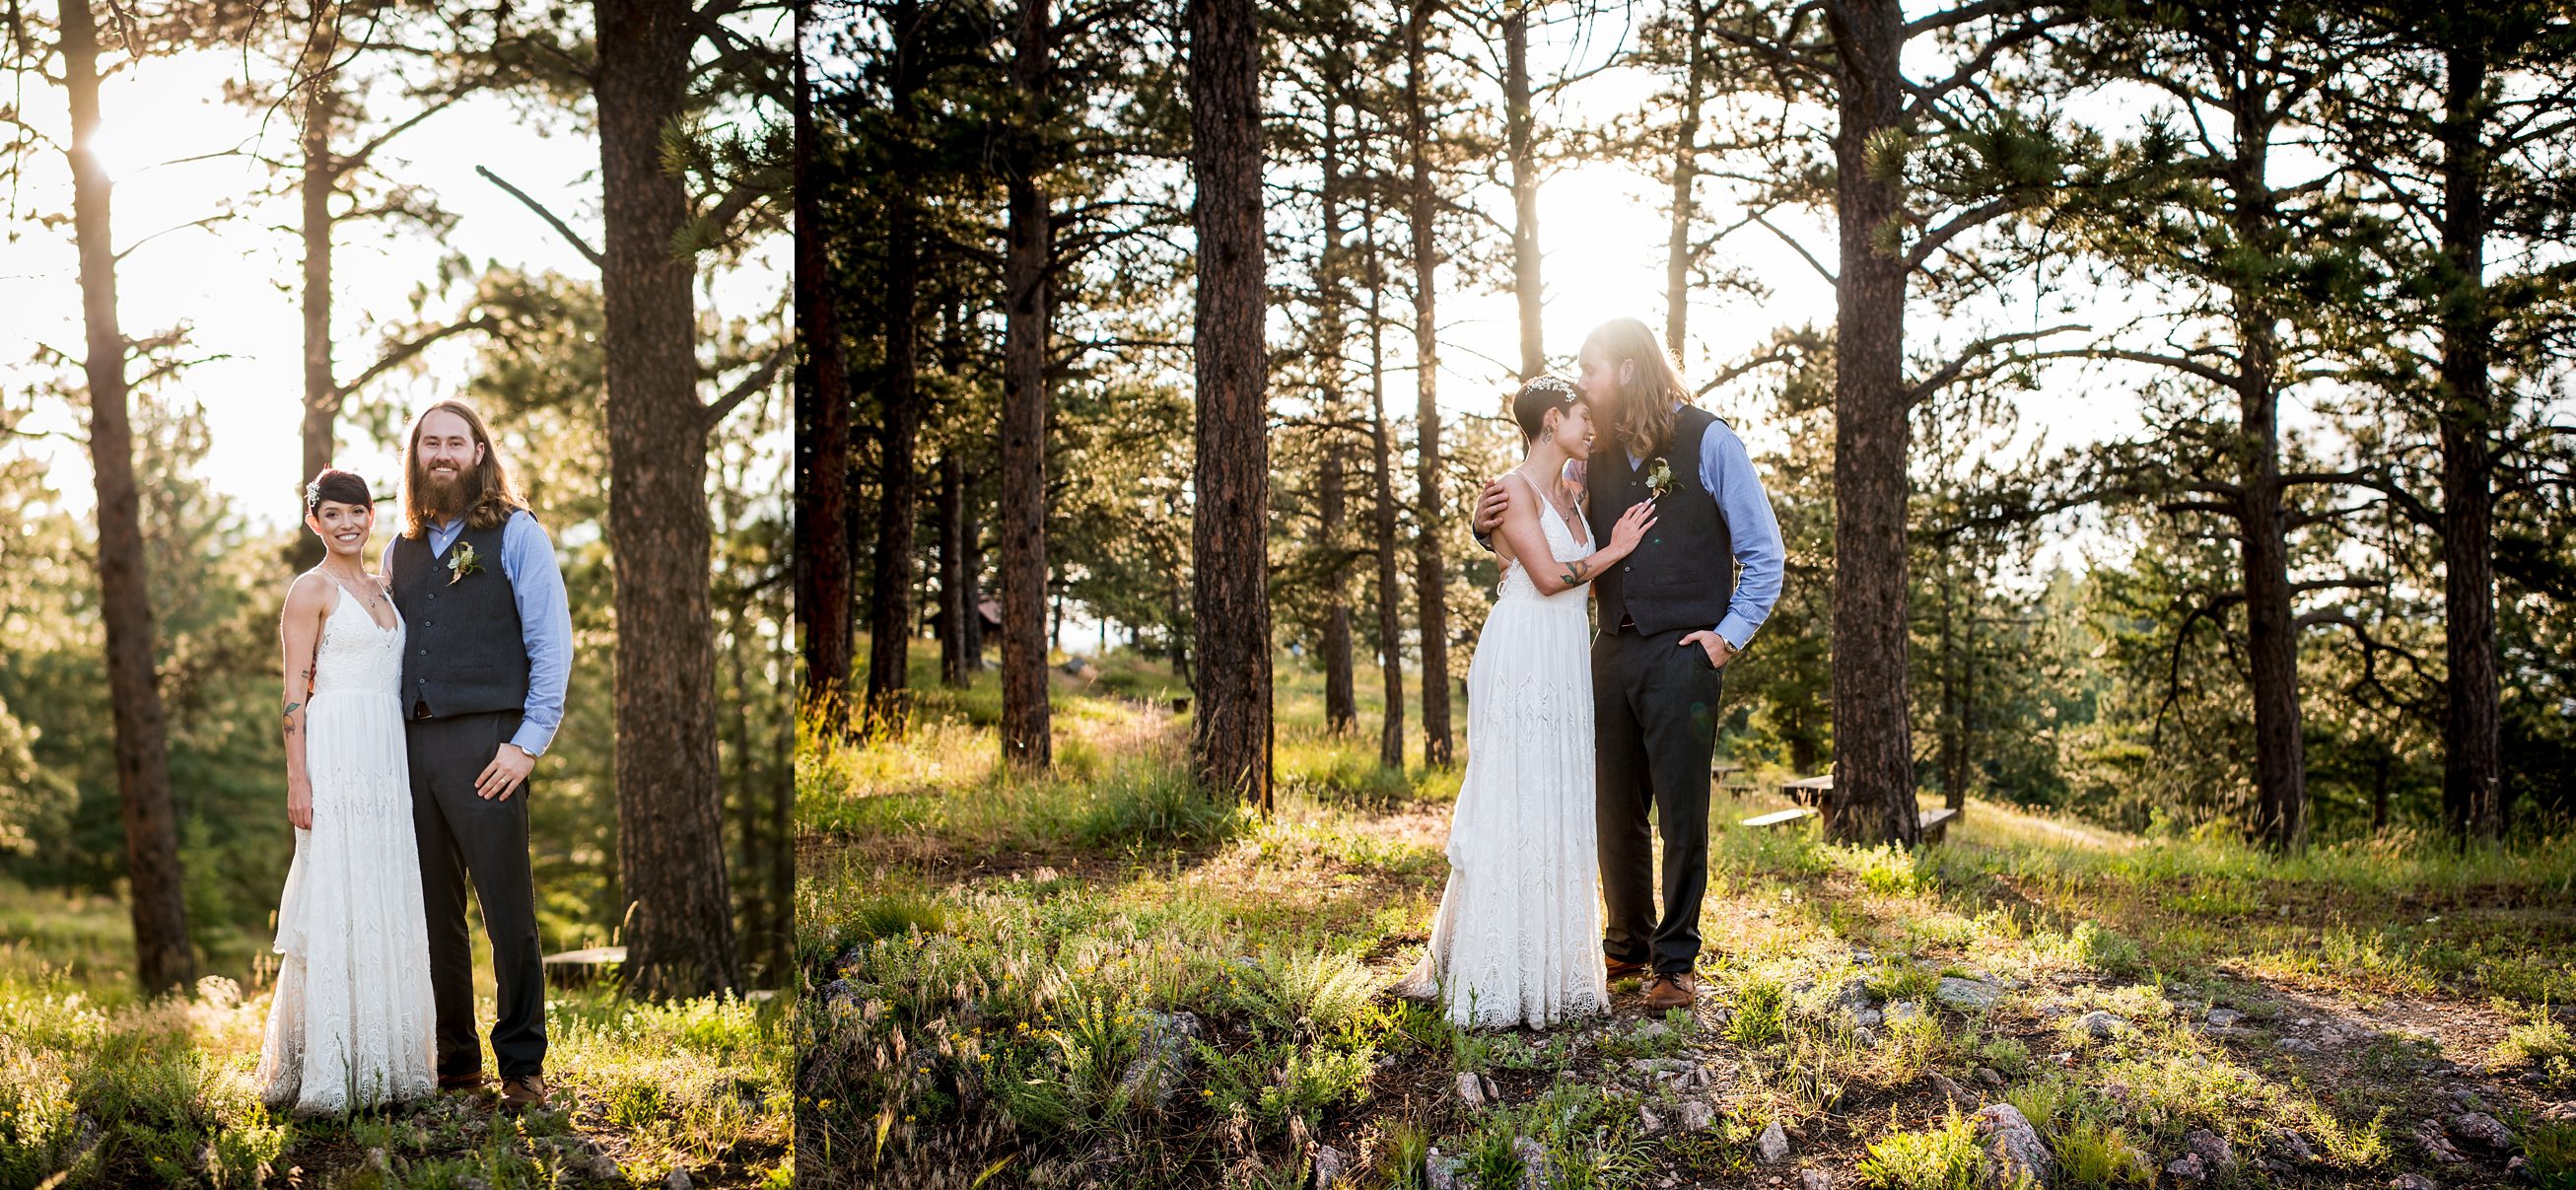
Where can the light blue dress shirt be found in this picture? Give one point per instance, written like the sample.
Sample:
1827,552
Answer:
1726,470
545,619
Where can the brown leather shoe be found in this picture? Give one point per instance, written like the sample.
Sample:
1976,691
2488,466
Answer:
470,1081
522,1091
1620,969
1672,991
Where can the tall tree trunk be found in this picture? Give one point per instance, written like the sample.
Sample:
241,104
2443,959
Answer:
2472,764
1026,740
680,930
320,181
1677,240
162,957
2271,619
1230,727
1341,702
1519,135
1390,626
1430,573
890,626
823,571
1873,798
1952,729
953,607
973,550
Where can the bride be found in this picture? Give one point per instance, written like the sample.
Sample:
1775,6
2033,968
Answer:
1518,936
350,1025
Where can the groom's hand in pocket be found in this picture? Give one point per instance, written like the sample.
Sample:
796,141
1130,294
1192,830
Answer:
502,777
1719,652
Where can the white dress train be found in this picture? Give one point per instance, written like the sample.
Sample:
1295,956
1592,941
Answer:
1517,939
351,1023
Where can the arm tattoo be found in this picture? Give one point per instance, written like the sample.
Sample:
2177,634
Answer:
1576,574
289,716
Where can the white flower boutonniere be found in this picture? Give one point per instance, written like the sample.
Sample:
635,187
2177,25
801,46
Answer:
1659,478
462,563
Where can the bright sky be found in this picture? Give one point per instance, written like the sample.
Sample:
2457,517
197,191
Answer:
237,284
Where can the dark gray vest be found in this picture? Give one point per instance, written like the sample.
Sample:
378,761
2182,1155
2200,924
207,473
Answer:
1683,574
464,653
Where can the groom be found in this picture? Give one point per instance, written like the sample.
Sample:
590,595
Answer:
1671,616
484,669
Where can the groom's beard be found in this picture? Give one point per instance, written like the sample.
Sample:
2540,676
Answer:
442,498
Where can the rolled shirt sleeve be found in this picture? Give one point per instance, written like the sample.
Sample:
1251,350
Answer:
1726,470
545,627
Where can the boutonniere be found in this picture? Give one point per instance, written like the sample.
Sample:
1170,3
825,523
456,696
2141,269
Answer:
1659,478
462,563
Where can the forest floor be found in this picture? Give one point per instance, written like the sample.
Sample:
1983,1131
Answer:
102,1088
1099,979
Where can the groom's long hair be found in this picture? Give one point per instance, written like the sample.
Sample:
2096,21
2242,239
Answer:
1645,403
489,496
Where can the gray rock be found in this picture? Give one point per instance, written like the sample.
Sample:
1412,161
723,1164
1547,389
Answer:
2224,1018
1535,1174
679,1180
2188,1169
1773,1147
1866,1017
1471,1091
2100,1025
2480,1128
1865,1038
1493,1094
1167,1050
2296,1045
2415,1181
2436,1145
1697,1115
1331,1165
2014,1150
1815,1179
1990,1076
1901,1011
1441,1173
1966,995
1953,1092
2211,1148
2294,1148
1646,1116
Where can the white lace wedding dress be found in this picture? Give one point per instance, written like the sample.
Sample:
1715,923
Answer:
1517,939
350,1026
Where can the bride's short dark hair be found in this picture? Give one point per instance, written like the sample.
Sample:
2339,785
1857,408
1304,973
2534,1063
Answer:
1540,394
331,483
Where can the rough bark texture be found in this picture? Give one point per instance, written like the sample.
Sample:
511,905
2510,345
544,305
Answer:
163,959
1677,240
1230,731
1520,137
1873,798
2263,547
1026,742
1341,702
898,478
1390,623
953,606
823,588
679,917
1430,569
321,389
2472,766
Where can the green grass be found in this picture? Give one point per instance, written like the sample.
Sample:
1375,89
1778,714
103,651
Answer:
987,957
102,1088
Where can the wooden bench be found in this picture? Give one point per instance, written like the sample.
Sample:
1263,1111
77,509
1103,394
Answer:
574,968
1936,823
1808,791
1780,817
1733,779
